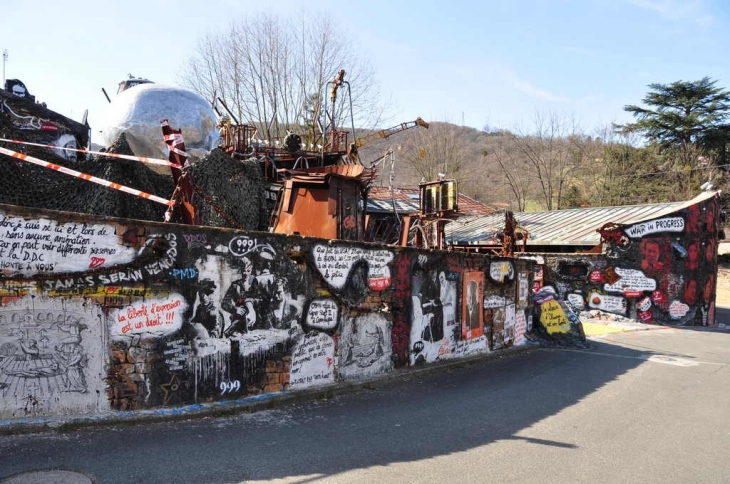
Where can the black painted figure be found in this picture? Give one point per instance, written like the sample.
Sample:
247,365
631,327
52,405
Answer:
431,308
241,300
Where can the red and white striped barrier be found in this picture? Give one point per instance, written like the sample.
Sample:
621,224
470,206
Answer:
177,140
85,176
143,159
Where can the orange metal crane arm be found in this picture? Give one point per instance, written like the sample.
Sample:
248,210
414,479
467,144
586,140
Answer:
386,133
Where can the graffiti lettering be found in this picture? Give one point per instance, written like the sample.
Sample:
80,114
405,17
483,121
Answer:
230,386
242,245
57,246
466,347
492,301
322,314
553,318
678,310
188,273
644,304
335,263
14,223
645,316
520,328
631,280
611,304
196,240
132,275
670,224
176,354
596,276
168,260
501,270
312,361
103,251
159,317
576,301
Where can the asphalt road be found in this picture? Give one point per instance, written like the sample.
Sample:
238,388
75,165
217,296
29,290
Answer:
644,406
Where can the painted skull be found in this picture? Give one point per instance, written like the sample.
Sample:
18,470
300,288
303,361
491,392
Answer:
19,90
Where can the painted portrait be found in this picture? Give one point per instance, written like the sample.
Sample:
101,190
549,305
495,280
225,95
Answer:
693,255
710,251
471,305
652,252
709,289
692,221
690,292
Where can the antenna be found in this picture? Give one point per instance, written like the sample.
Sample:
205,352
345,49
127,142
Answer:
5,59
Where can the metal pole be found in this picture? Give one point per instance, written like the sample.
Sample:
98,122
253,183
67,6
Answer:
5,59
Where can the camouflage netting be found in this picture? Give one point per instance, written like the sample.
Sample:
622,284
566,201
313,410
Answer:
29,185
235,187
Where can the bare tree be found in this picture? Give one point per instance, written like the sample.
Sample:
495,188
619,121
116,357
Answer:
440,150
272,73
512,169
553,149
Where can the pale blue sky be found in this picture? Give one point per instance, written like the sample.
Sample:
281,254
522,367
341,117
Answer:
490,62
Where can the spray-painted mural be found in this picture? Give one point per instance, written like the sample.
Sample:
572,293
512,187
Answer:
41,124
662,270
51,356
104,314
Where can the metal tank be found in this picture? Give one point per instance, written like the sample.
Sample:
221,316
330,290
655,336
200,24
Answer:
138,111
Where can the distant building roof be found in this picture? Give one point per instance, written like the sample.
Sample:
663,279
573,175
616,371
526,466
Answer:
575,226
407,200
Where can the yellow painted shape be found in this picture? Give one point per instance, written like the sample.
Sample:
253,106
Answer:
553,318
594,329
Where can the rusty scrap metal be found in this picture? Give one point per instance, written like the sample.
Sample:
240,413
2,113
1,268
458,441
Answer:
387,133
183,181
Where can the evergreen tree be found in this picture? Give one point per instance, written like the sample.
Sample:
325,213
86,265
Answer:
682,113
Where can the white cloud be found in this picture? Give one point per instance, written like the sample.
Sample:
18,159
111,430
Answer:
526,87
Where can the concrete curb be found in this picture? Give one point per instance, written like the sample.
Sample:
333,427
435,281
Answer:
244,405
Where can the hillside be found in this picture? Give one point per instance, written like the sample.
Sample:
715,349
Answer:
456,151
554,167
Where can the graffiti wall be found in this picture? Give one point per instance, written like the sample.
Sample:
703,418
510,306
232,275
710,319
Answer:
41,125
658,271
102,315
460,305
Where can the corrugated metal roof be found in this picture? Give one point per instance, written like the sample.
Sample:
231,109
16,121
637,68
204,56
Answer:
401,206
407,200
575,226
